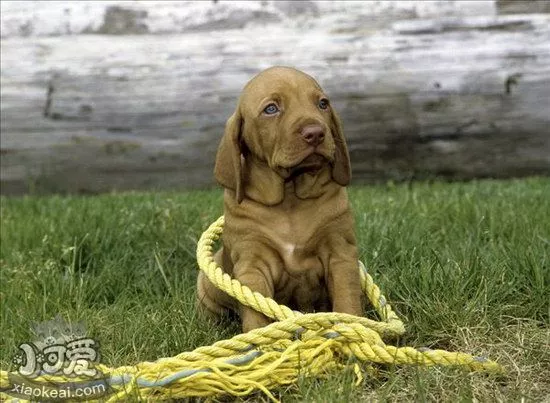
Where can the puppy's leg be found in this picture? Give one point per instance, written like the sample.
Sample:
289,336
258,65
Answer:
251,275
344,283
211,301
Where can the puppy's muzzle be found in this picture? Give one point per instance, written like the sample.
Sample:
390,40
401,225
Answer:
313,134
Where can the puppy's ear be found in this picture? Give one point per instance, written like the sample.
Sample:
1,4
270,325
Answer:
341,168
228,169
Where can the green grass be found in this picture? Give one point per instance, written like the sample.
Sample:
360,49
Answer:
467,265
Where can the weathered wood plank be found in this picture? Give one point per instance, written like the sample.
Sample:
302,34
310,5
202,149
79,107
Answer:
460,98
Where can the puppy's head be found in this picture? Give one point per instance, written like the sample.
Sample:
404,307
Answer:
284,129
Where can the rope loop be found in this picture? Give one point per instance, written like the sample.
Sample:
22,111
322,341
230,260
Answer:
295,344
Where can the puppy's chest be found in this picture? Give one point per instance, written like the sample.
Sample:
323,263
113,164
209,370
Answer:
298,259
302,282
298,249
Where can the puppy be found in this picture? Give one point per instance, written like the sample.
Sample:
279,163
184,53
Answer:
289,232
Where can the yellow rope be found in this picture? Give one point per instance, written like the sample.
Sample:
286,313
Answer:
295,344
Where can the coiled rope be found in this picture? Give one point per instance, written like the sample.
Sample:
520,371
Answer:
294,345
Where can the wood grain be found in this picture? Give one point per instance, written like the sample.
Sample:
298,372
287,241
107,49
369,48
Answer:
457,98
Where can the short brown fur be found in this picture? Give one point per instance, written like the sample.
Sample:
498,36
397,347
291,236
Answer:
288,227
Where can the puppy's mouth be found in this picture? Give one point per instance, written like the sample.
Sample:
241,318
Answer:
312,164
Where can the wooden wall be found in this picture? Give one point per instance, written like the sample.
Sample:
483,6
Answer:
457,96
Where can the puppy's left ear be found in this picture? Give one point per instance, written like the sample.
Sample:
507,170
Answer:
341,168
228,170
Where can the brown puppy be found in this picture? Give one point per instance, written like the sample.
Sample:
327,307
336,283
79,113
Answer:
288,232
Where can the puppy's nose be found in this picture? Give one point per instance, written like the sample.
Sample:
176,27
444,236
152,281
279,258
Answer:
313,134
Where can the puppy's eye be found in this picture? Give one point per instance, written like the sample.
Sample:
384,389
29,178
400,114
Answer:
323,103
271,109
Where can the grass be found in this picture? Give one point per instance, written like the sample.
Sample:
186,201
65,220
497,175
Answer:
466,264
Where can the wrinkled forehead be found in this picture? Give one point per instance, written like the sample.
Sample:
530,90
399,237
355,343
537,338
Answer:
281,82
